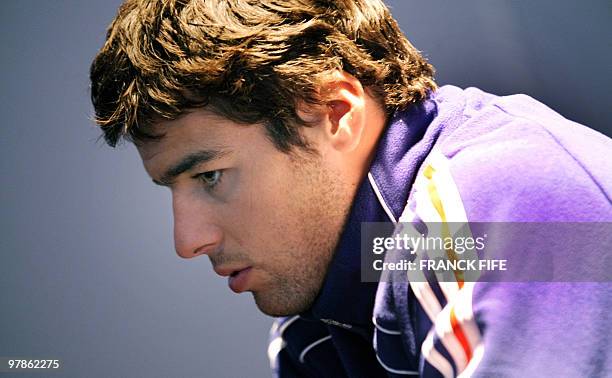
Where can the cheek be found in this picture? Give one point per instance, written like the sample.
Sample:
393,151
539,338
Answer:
272,199
257,212
266,187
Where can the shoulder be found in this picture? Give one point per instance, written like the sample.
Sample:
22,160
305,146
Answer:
514,159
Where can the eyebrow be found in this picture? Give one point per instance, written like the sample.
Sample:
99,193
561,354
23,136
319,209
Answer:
188,162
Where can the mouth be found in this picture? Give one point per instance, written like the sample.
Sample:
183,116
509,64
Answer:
238,280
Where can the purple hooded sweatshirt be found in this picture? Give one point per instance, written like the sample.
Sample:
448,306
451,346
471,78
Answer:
465,156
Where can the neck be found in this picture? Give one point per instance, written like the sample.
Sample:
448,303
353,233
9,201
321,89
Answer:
375,124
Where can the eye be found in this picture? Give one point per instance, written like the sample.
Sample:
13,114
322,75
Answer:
210,178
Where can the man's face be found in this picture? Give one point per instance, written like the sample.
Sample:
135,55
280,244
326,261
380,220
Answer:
269,221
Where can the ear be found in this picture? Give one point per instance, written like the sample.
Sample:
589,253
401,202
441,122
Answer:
342,116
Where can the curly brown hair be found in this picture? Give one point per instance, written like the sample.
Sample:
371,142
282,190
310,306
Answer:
249,61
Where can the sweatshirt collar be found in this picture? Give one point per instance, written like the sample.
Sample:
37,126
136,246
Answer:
344,300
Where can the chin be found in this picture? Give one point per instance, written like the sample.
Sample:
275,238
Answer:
279,306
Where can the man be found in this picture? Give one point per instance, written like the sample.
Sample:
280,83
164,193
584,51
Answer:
281,126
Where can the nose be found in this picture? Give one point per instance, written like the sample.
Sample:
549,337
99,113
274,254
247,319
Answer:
195,231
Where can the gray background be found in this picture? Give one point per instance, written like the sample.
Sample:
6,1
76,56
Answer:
87,268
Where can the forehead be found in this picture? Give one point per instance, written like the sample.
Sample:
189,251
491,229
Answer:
195,131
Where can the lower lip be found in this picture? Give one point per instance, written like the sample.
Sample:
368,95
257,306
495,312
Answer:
238,283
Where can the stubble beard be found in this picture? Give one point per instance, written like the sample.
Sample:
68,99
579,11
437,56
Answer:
322,211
